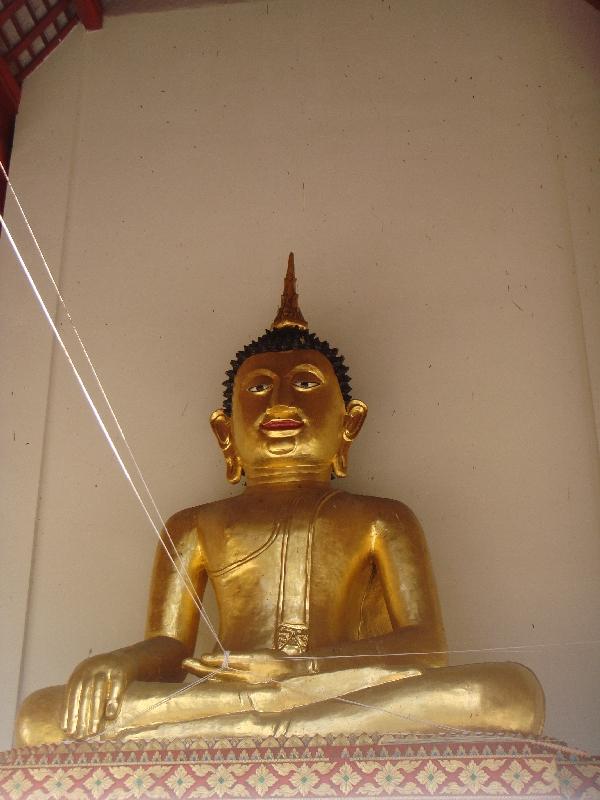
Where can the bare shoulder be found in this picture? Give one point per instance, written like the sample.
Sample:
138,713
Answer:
183,522
382,514
200,517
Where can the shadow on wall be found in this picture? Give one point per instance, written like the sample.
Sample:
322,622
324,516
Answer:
118,7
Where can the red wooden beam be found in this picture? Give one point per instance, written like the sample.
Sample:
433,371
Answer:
15,21
10,91
10,95
9,10
45,36
90,13
37,30
37,59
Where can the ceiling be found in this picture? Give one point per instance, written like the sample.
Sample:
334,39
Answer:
115,7
31,29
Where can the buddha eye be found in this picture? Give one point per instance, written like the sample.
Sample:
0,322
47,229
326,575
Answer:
305,383
259,388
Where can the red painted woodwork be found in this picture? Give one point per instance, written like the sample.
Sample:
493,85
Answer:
38,29
37,60
10,91
9,9
10,95
29,32
90,13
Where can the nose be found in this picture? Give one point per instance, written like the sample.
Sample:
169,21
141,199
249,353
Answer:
281,395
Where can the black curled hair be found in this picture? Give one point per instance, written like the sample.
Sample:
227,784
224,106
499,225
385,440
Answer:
289,338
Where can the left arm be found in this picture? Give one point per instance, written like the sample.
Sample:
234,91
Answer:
417,639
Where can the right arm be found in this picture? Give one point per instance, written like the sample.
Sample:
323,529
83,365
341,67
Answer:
96,687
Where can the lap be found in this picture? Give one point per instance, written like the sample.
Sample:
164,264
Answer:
378,699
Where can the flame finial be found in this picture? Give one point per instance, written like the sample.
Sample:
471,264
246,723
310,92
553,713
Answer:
289,314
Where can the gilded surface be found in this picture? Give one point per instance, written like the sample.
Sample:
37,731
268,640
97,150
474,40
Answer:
327,601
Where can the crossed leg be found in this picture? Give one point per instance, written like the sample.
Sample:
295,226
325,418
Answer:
485,697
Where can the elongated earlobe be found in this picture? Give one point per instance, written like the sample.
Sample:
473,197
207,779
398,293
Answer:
221,427
356,413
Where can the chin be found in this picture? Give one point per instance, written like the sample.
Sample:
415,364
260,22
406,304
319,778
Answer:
281,447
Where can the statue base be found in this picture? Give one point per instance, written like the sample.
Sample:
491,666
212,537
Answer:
390,766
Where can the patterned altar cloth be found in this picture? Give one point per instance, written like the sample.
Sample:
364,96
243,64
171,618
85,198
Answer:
390,766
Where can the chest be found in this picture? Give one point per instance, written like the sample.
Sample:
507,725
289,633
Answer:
303,554
306,533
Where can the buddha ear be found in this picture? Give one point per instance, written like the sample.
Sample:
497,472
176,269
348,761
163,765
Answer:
356,413
221,427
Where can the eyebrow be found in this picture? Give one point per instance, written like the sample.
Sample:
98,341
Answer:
307,368
259,371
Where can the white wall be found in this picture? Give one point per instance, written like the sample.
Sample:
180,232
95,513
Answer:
432,165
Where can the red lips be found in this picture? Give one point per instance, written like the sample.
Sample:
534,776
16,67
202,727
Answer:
282,425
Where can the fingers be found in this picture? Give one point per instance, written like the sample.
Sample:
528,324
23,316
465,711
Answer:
196,666
254,668
64,714
214,661
94,693
235,661
74,691
232,673
85,703
115,695
98,702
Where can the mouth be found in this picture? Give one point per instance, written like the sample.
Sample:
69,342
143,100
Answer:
279,424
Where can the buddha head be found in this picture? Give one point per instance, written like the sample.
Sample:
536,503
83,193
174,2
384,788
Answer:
287,413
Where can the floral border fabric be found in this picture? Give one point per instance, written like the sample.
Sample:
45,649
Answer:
390,766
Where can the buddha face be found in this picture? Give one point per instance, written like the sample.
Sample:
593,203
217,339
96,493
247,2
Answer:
289,419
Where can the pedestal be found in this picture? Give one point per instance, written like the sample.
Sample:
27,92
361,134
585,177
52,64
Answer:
390,766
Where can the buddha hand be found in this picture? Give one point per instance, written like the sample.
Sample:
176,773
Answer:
95,690
261,666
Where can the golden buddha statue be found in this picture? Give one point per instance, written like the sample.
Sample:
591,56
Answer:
329,619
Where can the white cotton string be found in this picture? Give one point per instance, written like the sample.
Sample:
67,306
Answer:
80,341
190,587
338,698
508,648
309,695
318,699
182,572
185,688
409,717
101,737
